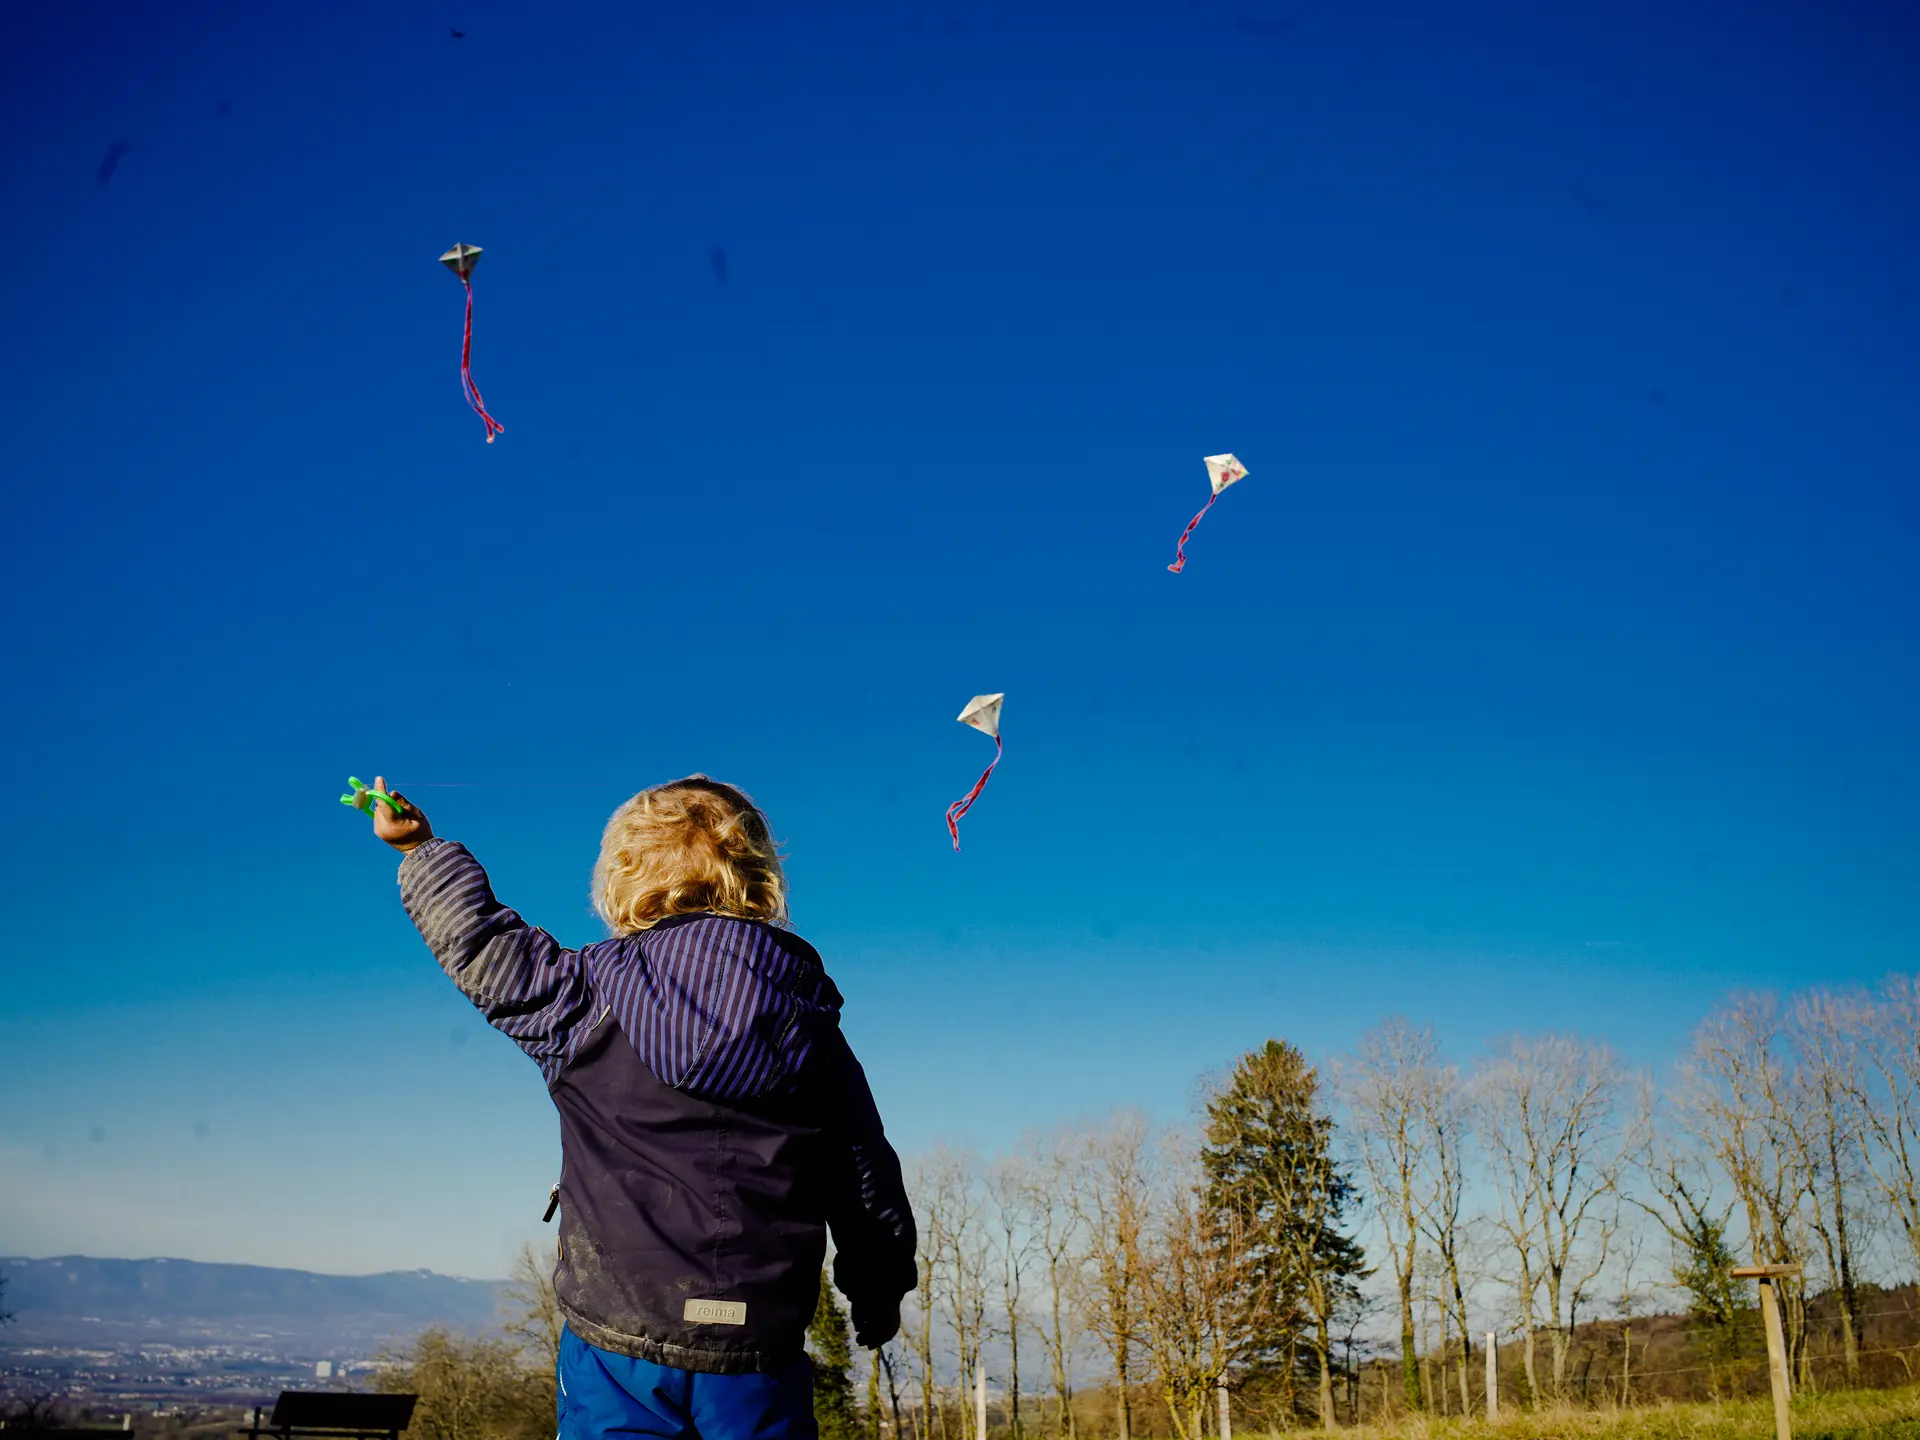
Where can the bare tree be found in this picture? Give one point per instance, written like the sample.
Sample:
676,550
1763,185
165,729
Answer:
1426,1298
1054,1229
1733,1099
1015,1225
1824,1124
917,1321
531,1309
1446,1123
1552,1122
883,1358
1889,1102
1353,1318
479,1388
1111,1187
1201,1293
33,1412
962,1260
1633,1293
1385,1085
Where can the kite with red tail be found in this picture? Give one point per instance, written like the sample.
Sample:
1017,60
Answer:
461,259
1223,470
983,714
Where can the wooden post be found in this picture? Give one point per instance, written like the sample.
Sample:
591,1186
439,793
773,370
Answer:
1777,1371
1769,1277
980,1400
1226,1411
1493,1376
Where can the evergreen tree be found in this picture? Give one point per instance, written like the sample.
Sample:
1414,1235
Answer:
1270,1165
1715,1302
1713,1296
830,1346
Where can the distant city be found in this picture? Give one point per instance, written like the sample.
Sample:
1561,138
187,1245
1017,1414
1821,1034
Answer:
110,1340
160,1376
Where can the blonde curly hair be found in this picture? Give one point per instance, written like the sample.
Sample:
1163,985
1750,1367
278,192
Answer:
685,848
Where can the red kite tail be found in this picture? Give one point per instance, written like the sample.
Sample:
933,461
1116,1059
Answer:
494,427
960,807
1180,555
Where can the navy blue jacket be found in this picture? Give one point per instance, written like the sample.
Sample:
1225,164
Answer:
714,1123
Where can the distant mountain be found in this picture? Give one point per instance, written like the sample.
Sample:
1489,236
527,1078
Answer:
75,1298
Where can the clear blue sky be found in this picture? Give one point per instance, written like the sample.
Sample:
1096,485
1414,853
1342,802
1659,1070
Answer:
1554,668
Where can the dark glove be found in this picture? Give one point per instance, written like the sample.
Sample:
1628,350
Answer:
874,1324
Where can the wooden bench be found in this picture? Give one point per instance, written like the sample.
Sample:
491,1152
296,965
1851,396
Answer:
334,1415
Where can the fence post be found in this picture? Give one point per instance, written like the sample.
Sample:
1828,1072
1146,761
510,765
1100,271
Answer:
1769,1277
1493,1376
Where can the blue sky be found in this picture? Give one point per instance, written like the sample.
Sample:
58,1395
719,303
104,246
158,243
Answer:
1553,669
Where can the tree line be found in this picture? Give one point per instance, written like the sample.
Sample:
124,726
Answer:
1384,1208
1316,1228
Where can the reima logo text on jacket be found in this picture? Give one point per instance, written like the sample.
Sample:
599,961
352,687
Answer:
715,1312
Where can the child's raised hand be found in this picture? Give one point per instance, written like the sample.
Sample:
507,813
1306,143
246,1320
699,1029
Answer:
875,1325
406,831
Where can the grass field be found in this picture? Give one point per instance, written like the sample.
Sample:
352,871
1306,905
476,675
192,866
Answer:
1844,1415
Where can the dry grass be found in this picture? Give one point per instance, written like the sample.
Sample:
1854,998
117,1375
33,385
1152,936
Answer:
1843,1415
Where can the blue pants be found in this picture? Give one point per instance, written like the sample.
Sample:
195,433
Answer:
602,1393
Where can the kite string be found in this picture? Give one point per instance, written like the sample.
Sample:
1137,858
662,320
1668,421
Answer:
494,427
960,807
1180,560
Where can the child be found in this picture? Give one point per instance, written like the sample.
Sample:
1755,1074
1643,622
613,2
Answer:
713,1121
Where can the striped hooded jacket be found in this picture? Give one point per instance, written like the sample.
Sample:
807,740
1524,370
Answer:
714,1124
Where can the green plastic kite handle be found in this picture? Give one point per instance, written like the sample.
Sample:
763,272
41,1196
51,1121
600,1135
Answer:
362,799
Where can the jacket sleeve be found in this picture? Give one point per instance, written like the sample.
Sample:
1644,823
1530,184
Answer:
522,980
867,1210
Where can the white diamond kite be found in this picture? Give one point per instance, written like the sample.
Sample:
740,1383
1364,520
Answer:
460,260
1222,470
983,714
